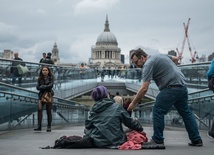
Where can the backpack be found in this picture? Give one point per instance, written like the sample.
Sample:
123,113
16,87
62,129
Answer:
71,142
211,83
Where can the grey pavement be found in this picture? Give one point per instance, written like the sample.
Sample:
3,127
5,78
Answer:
28,142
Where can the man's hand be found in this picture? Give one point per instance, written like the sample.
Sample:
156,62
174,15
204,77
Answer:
140,94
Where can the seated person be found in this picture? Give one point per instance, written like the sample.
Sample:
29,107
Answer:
105,121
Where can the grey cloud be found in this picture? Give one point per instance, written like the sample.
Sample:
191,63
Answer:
34,26
89,6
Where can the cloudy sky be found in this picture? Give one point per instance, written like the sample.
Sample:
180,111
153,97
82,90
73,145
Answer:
31,27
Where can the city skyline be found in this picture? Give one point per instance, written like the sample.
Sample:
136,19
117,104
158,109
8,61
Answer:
32,28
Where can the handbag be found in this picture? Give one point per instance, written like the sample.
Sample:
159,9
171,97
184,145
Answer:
47,98
22,69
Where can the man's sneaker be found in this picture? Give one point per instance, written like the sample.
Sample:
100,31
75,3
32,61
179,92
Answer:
210,134
153,145
196,143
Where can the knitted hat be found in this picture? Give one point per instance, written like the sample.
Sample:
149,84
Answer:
99,93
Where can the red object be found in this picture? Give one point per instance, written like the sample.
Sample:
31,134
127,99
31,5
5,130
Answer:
134,140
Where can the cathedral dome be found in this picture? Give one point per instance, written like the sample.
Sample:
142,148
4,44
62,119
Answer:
106,37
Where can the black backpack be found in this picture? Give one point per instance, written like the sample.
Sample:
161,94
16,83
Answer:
71,142
211,83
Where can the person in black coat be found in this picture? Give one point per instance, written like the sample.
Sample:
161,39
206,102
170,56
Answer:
45,84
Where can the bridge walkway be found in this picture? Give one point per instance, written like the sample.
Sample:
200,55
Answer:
26,141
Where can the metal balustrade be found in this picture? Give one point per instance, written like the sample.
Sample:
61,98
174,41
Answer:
18,103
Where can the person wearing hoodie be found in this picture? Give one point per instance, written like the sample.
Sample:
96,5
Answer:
104,124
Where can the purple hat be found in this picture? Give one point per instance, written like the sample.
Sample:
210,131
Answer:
99,93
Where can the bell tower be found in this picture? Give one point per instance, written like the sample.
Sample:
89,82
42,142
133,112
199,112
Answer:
55,54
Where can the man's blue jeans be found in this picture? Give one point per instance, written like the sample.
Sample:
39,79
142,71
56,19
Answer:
177,96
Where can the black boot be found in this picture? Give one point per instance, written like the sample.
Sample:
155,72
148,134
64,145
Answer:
48,128
39,128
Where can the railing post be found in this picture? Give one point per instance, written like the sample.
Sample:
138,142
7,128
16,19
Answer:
33,119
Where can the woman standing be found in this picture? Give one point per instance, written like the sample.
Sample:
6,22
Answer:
45,84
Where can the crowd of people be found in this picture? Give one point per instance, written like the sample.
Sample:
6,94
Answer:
124,72
109,113
173,92
44,84
14,70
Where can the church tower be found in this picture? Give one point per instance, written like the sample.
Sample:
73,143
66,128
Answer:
55,55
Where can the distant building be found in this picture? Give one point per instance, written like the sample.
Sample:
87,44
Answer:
7,54
211,57
122,58
55,55
106,52
202,58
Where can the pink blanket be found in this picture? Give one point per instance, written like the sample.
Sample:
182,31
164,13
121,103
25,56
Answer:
134,140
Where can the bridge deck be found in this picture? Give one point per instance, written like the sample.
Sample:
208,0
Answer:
26,141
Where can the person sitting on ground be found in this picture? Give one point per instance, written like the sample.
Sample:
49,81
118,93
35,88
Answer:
104,124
